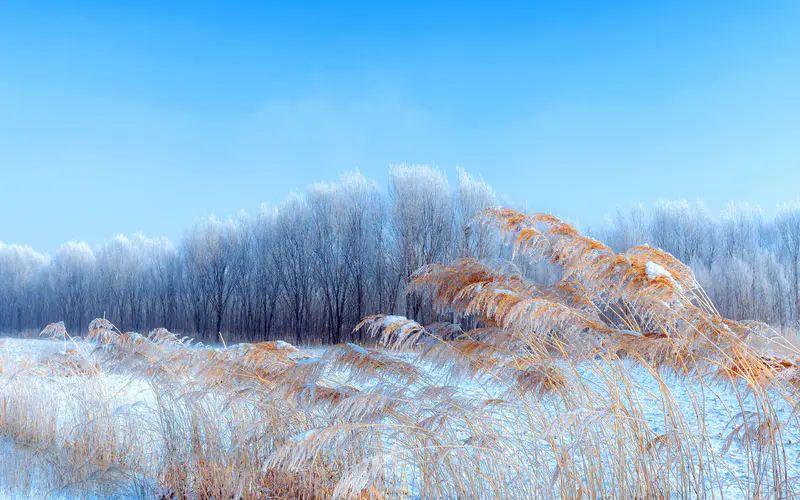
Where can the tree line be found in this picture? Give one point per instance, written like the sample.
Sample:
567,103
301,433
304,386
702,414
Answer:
746,261
308,269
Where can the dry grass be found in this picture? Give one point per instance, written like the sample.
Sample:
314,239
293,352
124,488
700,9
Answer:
609,383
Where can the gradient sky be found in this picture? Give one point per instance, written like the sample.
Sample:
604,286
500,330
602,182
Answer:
144,117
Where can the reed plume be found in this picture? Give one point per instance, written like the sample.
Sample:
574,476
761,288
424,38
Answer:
618,380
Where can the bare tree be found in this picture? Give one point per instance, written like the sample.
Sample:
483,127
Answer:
72,279
787,223
293,261
313,266
422,214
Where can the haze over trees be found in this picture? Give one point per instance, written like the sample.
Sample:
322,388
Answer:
310,268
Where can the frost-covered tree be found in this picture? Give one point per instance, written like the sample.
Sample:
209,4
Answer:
267,279
787,224
472,197
422,215
310,268
21,272
682,227
210,254
329,225
73,285
293,260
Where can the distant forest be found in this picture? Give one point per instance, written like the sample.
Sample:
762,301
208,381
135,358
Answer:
310,268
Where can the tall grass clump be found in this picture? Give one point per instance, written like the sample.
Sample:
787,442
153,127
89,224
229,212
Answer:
618,380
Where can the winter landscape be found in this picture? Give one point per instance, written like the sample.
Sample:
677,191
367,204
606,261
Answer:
351,320
551,365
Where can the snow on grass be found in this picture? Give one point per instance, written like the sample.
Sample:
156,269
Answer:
358,348
655,271
280,344
127,398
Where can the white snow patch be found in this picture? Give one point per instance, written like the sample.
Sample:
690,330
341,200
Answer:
654,270
308,361
358,348
388,320
280,344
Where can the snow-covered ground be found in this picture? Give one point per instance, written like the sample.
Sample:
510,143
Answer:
24,472
28,469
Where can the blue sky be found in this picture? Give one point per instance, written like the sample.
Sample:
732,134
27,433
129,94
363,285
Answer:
146,116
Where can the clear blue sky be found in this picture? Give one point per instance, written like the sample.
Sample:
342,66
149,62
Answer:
144,117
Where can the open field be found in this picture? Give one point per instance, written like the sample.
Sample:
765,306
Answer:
80,421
